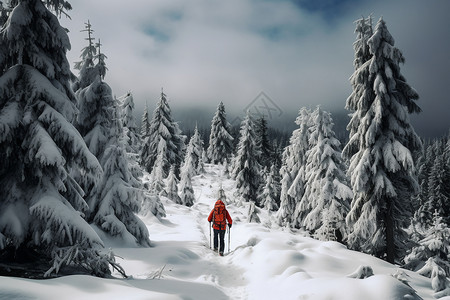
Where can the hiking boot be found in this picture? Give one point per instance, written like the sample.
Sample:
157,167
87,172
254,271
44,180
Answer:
221,253
215,249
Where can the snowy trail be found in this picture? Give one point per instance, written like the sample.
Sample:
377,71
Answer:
181,244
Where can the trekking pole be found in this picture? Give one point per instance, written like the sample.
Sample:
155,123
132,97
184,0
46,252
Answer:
209,235
229,234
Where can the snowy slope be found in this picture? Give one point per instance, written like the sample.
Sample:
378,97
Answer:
265,262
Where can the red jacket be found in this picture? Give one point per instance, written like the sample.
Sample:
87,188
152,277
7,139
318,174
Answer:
227,216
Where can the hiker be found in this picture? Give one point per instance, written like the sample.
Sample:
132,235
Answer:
219,217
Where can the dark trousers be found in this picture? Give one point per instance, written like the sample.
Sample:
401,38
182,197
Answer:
219,238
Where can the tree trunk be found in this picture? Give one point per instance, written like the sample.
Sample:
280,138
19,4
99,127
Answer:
389,222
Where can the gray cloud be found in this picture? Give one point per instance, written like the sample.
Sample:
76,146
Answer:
204,51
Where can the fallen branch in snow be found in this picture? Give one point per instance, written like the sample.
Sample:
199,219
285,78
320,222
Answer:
157,274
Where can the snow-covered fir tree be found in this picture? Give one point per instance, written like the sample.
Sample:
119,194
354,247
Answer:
270,194
86,66
358,103
433,174
431,256
293,173
145,123
196,145
187,172
129,123
363,33
220,140
131,136
327,193
96,109
151,203
41,205
246,168
202,159
252,214
423,215
172,186
438,197
380,149
157,185
162,127
263,143
101,60
116,202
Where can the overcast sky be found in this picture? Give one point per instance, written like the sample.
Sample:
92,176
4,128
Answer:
297,52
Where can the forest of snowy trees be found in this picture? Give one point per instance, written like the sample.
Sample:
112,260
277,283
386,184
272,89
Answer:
74,160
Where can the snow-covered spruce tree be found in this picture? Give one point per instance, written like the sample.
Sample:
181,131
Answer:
246,168
432,254
131,136
358,103
145,124
439,188
220,139
202,159
41,205
422,216
263,143
380,145
327,191
96,108
270,192
86,67
292,172
162,127
116,200
157,185
172,186
187,172
129,123
197,150
252,214
425,163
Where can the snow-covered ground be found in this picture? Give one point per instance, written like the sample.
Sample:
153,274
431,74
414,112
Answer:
265,262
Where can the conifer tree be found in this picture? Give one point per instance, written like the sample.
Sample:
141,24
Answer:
425,163
246,168
327,193
293,173
270,192
438,188
41,205
202,159
187,172
162,127
430,257
116,200
220,140
157,185
196,149
379,148
253,213
86,65
263,143
172,187
145,124
129,123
